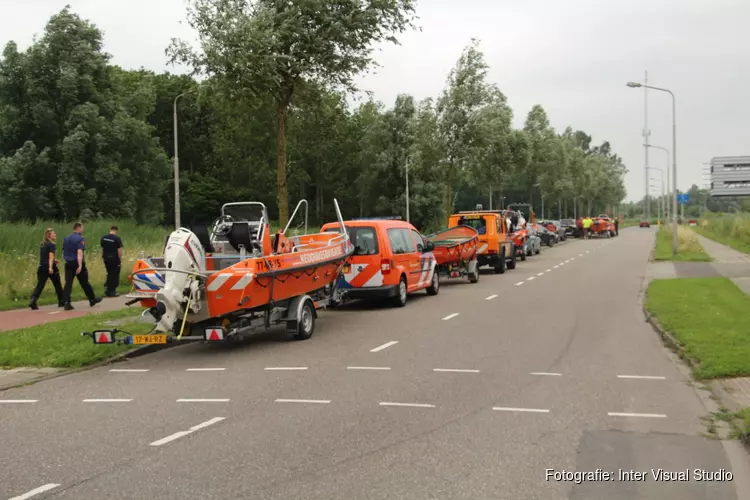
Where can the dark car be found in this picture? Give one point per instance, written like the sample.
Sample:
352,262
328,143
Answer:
556,228
569,226
645,223
548,237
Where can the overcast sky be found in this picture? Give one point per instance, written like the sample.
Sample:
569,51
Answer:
571,56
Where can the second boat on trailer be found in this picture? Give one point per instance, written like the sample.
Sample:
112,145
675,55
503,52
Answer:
236,280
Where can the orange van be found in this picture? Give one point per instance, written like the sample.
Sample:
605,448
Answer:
391,260
496,248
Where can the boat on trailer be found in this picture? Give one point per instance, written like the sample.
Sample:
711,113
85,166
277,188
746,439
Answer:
456,252
236,279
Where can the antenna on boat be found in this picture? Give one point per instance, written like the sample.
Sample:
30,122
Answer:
338,215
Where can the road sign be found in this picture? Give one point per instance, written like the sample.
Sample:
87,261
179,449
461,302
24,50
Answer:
682,198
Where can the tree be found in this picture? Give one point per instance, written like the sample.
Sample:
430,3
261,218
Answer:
275,46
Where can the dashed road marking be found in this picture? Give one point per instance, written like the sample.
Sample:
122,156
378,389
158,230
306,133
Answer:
321,401
556,266
14,401
530,278
548,270
539,274
180,434
450,316
645,377
384,346
285,368
129,370
413,405
202,400
368,367
588,251
456,370
549,374
491,297
642,415
531,410
36,491
205,369
107,400
520,283
580,255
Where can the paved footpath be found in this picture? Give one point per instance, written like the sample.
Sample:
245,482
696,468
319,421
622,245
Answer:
728,262
21,318
484,391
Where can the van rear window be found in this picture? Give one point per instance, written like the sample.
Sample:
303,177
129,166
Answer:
363,238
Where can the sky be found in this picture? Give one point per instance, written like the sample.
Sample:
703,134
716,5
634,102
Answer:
573,57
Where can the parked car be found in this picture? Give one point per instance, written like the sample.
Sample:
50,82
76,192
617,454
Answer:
555,227
548,237
533,240
645,223
569,227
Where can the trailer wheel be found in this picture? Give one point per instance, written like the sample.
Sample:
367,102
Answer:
305,322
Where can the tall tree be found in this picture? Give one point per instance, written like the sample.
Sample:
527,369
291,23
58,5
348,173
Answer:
274,46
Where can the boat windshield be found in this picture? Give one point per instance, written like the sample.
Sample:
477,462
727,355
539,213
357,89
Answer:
244,212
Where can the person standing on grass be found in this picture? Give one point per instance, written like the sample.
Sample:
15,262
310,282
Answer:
112,255
75,266
47,269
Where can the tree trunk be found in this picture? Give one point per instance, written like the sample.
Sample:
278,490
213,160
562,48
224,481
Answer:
281,189
449,192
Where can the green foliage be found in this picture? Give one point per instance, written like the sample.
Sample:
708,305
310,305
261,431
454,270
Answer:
732,230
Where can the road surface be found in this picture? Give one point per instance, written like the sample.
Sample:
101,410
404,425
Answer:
472,394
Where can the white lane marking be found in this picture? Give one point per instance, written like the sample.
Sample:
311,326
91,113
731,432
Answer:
322,401
644,415
413,405
36,491
202,400
205,369
548,270
129,370
520,283
562,264
107,400
532,410
180,434
456,370
13,401
384,346
539,274
285,368
580,255
531,278
368,368
450,316
549,374
572,258
493,296
568,260
588,251
55,312
556,266
645,377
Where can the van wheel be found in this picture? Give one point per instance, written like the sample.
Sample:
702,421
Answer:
500,266
512,262
400,299
305,322
434,288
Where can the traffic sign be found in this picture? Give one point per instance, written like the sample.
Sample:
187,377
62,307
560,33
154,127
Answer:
683,198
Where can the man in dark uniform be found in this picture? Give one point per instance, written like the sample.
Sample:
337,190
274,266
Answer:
75,266
112,255
617,225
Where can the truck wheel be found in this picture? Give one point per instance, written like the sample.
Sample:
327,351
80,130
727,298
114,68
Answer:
305,322
523,255
434,288
400,299
512,262
500,266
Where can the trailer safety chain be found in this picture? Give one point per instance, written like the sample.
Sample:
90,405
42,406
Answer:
187,309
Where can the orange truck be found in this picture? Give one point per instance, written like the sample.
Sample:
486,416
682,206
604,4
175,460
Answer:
496,249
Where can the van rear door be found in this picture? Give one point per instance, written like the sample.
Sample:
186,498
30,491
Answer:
363,267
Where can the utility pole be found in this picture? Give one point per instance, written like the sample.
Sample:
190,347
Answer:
646,135
490,197
407,190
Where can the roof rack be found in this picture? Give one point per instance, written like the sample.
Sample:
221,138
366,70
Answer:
391,217
480,211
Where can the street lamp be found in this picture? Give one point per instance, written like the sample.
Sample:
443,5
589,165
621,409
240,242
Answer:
407,190
674,160
177,164
661,204
667,169
661,173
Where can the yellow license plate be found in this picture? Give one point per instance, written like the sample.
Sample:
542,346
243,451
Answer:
149,339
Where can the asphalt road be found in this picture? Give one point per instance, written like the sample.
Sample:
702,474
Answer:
472,394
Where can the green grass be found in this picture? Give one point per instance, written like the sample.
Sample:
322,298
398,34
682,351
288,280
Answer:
731,230
739,420
689,248
710,318
19,256
60,345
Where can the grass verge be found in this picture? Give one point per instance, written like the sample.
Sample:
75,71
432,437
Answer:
738,242
709,318
740,422
59,344
689,248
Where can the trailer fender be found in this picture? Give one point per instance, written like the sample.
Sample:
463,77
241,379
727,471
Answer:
295,307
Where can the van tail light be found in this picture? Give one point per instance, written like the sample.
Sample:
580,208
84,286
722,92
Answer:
492,251
385,266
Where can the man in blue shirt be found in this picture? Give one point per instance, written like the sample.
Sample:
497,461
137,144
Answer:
75,266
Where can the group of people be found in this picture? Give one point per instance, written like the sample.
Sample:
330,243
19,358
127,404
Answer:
587,222
74,247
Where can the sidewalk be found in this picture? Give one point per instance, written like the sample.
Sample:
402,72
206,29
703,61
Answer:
728,262
21,318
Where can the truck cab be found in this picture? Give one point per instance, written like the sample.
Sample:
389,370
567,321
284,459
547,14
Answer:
495,246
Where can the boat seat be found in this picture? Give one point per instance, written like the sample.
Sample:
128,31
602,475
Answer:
201,232
242,234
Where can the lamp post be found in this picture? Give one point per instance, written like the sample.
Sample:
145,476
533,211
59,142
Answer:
660,205
667,169
176,167
663,202
674,159
407,190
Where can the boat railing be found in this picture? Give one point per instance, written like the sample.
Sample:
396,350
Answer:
286,228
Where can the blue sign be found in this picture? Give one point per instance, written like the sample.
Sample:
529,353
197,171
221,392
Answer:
682,198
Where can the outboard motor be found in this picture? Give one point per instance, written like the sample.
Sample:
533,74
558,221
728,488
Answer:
185,255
